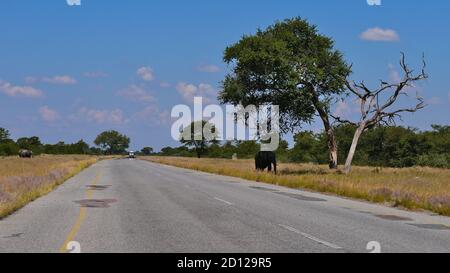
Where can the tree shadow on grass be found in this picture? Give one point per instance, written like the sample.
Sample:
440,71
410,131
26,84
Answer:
304,172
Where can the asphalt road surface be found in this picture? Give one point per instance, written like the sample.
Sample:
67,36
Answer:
137,206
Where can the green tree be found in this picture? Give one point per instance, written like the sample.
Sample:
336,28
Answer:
8,147
4,135
216,151
199,135
80,147
95,151
147,150
282,151
248,148
30,143
180,151
228,149
166,151
439,139
304,148
112,142
291,65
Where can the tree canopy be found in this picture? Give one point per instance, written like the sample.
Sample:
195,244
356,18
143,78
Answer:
29,142
10,147
291,65
4,135
147,150
199,134
112,142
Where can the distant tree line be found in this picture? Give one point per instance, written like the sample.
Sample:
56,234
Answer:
382,146
109,142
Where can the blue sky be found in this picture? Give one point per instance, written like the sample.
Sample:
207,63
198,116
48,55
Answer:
68,73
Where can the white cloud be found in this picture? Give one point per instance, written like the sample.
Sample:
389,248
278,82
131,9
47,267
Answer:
137,93
207,89
380,35
189,91
64,79
95,74
48,114
146,73
152,115
115,116
24,91
208,68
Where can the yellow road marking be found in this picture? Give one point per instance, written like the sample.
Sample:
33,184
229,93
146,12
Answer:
81,216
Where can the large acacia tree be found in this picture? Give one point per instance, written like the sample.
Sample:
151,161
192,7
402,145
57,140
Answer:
112,142
199,135
291,65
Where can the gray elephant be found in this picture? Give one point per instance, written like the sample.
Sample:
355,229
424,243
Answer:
25,154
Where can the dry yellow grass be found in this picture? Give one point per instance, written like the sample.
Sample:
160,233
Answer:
412,188
24,180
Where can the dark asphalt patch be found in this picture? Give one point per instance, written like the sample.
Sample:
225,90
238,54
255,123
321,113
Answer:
393,218
95,203
97,187
16,235
431,226
301,197
262,189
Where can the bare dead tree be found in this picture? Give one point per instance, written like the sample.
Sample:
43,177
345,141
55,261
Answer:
374,112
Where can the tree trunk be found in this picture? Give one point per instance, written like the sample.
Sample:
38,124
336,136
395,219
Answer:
351,152
333,149
332,143
197,149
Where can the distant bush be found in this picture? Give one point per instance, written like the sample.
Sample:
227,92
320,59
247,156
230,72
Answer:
9,149
397,147
434,160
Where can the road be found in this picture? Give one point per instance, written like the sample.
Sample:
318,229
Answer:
137,206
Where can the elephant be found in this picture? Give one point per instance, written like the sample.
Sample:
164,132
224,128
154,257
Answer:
265,160
25,154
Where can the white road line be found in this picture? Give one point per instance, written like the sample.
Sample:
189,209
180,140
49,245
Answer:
317,240
223,201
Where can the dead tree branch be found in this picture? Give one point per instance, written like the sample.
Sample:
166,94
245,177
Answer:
376,104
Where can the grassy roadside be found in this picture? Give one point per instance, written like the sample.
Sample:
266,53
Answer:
411,188
24,180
